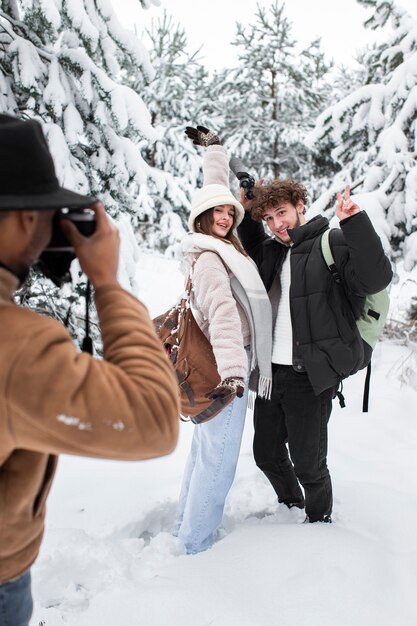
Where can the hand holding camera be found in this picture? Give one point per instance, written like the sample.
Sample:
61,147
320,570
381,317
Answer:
87,234
98,253
246,181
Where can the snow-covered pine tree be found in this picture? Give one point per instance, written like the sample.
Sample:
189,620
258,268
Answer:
343,80
374,132
61,62
173,103
273,97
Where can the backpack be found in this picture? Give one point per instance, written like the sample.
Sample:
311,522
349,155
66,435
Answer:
193,359
372,320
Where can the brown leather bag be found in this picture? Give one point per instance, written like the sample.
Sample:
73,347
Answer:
192,356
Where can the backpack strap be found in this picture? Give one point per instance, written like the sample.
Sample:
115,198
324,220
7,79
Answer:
365,401
328,255
329,260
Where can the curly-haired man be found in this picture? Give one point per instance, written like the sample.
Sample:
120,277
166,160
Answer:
315,340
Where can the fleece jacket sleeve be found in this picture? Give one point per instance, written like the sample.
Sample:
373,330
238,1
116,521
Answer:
216,166
59,400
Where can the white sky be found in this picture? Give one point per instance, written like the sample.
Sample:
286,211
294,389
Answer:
211,23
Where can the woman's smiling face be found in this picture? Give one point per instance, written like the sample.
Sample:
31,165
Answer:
223,219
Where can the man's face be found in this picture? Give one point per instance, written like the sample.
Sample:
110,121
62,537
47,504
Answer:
283,217
40,236
23,237
37,233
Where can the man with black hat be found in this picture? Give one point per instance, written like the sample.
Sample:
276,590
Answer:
53,398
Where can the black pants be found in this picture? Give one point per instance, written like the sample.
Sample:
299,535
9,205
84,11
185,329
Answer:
295,416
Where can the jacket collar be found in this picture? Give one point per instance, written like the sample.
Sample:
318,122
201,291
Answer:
311,229
8,285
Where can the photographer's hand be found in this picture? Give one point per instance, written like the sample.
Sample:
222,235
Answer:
98,254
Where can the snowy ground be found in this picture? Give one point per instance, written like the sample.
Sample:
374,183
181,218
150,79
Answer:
108,558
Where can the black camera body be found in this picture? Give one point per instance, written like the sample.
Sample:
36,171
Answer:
55,260
246,181
84,220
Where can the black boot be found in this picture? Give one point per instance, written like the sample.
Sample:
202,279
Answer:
300,504
326,519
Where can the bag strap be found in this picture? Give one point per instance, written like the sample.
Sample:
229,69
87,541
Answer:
365,401
185,300
189,284
328,255
330,262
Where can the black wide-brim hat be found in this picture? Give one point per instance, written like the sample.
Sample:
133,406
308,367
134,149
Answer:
27,172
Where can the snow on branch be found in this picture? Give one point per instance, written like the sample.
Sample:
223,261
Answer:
28,67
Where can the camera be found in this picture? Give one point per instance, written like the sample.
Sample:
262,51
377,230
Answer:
84,220
55,260
246,181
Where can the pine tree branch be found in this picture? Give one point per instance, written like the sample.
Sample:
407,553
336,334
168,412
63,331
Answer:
13,36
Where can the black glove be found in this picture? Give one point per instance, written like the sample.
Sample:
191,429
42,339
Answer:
202,136
228,386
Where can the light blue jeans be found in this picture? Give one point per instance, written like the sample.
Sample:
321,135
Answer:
209,474
16,601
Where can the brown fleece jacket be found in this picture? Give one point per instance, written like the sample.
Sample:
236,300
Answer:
54,399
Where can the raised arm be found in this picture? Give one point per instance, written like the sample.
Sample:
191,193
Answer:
215,159
63,401
366,269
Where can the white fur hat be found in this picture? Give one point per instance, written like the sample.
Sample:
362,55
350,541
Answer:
210,196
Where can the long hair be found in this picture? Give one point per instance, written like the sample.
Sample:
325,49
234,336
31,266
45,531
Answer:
204,224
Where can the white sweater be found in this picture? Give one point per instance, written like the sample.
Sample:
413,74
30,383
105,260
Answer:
282,340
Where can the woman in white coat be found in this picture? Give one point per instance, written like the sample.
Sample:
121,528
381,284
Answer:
231,306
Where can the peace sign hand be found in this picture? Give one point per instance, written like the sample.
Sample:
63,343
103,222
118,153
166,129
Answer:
345,206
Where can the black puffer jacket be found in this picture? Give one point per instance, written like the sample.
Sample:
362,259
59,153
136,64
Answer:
326,342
